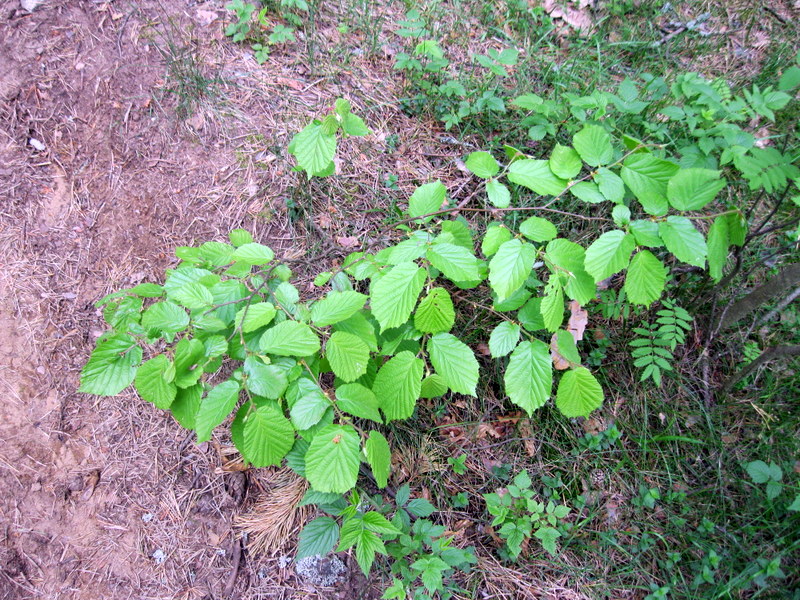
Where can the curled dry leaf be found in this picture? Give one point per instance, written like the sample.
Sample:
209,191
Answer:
578,320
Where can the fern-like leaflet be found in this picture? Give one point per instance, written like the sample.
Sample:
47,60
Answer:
653,348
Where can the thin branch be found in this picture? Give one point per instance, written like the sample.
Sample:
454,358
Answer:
768,355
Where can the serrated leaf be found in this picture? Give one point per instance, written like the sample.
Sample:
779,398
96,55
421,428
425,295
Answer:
579,393
456,232
215,407
683,240
609,254
718,242
621,215
552,306
269,381
537,176
454,362
435,313
588,192
347,354
111,367
496,235
610,184
165,317
759,471
360,326
593,144
193,296
565,162
510,267
504,338
240,237
254,316
186,404
692,189
645,279
266,434
332,459
647,177
529,376
317,538
313,148
354,125
548,537
253,254
646,233
379,457
538,229
397,386
189,356
393,296
482,164
563,350
530,315
420,507
359,401
154,381
455,262
336,307
433,386
290,338
427,198
308,403
498,194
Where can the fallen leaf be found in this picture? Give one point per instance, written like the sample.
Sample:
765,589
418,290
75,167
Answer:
559,362
525,430
578,320
295,85
594,425
483,348
347,241
485,429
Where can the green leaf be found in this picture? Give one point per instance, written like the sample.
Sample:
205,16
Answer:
538,229
610,184
510,267
565,162
759,471
435,313
393,296
431,568
737,228
253,254
530,315
537,176
190,354
588,192
621,215
552,304
683,240
548,537
579,393
367,546
482,164
396,591
360,326
718,242
647,177
645,279
692,189
165,317
498,194
503,339
397,386
332,459
111,367
454,362
427,198
609,254
336,307
308,403
795,506
154,381
348,355
359,401
570,257
433,386
267,435
215,407
313,148
529,376
455,262
593,144
646,233
379,457
254,316
419,507
186,404
496,235
354,125
240,237
290,338
565,344
269,381
148,290
193,296
318,537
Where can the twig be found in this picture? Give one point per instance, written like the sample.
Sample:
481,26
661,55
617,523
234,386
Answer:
236,559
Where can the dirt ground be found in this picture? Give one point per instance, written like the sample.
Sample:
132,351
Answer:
99,180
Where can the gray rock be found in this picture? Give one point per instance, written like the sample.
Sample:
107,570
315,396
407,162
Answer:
322,571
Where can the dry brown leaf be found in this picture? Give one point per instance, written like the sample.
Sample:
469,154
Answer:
347,241
485,429
525,429
483,348
578,320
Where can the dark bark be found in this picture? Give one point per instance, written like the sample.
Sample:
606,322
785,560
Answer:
787,279
767,355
